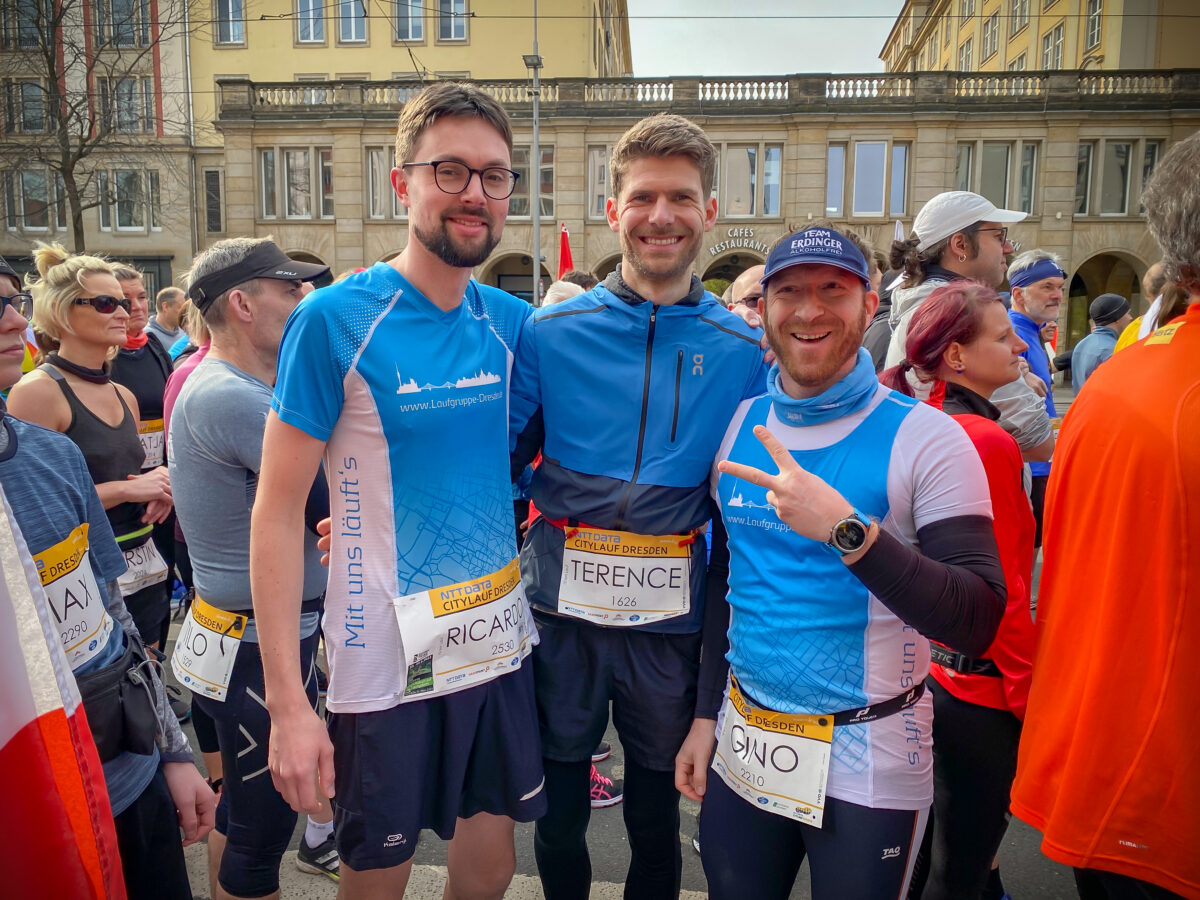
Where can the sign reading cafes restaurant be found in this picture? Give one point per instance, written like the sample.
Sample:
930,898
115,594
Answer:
740,238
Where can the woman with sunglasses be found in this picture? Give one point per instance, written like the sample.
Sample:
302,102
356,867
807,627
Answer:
961,343
79,305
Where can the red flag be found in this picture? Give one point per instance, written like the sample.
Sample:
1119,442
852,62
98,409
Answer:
565,263
66,843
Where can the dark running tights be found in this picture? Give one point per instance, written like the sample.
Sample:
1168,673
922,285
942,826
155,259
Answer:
651,810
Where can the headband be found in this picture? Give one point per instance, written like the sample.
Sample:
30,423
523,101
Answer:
1042,269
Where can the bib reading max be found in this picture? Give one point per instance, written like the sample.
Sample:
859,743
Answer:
412,404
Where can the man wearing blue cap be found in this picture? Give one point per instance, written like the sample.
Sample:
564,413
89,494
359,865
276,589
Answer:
1037,280
859,525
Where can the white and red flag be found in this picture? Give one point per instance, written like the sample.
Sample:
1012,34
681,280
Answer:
63,843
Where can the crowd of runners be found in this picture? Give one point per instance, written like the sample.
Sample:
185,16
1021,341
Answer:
785,542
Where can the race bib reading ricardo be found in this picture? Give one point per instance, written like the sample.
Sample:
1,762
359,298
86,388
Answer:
151,434
776,761
76,602
464,634
621,578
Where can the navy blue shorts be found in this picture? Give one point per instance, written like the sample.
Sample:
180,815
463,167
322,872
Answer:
428,763
859,853
649,678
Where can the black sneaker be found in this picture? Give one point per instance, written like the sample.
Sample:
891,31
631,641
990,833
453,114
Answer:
602,751
605,792
322,860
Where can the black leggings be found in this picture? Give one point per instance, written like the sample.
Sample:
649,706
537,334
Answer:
651,811
974,763
859,853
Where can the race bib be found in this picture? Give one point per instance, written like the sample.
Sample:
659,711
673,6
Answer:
777,761
206,648
621,578
76,601
152,436
465,633
144,567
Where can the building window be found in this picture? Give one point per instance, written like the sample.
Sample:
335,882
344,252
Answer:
231,27
24,22
26,108
597,181
991,35
127,105
123,23
986,167
1114,178
968,8
410,22
1019,16
1093,24
877,179
214,202
310,21
1149,161
1052,48
352,21
301,176
946,36
964,56
382,202
1018,64
35,200
129,199
452,20
752,180
1083,180
835,180
518,203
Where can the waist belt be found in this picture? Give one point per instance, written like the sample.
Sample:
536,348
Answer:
880,710
961,663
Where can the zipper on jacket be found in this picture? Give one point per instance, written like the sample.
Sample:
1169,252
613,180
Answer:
678,377
637,463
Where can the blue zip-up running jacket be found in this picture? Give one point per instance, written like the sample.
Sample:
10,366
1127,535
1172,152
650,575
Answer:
628,402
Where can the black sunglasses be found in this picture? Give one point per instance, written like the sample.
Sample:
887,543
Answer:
22,302
104,303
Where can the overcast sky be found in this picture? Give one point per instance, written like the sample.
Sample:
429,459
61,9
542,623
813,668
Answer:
758,37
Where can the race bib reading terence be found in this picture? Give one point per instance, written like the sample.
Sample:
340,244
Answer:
206,649
144,567
465,633
152,436
76,601
621,578
776,761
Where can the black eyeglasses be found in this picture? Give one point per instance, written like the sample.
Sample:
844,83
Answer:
1003,231
453,177
104,303
22,302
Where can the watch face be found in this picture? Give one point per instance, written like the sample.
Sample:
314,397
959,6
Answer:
849,535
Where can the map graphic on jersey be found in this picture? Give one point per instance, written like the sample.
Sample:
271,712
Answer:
479,379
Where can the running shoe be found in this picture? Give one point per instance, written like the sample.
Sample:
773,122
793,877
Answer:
605,792
602,751
321,860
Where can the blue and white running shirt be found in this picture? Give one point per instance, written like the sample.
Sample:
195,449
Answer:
412,402
805,635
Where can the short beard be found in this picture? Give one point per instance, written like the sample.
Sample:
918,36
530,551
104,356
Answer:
629,254
440,245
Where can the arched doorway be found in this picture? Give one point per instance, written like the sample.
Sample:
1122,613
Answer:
722,271
513,272
307,257
1109,272
606,266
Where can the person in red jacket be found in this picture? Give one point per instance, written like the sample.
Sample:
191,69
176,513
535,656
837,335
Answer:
962,341
1109,769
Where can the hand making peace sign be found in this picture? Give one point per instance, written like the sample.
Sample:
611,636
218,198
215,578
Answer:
808,505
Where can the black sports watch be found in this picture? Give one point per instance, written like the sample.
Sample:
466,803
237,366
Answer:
849,534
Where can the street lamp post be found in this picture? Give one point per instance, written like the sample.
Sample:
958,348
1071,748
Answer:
534,63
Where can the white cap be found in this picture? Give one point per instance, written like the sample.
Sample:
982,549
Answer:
953,211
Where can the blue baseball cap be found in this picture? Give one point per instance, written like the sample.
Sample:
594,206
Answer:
817,246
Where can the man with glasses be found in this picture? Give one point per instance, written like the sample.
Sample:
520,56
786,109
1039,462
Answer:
956,235
746,289
397,377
